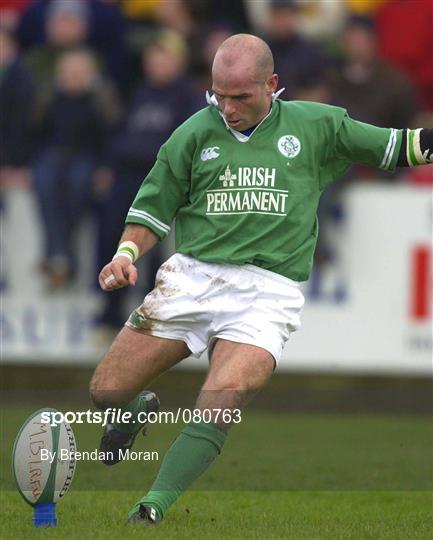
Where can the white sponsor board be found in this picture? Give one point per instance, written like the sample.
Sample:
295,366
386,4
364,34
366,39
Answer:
385,323
382,324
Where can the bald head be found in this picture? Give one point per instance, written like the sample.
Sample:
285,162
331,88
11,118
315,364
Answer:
243,80
246,52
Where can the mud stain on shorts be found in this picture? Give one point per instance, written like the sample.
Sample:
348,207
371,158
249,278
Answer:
222,284
168,268
166,289
146,316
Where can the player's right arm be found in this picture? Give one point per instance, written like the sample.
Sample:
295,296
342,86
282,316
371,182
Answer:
162,193
121,271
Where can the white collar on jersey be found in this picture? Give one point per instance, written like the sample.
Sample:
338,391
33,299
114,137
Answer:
241,137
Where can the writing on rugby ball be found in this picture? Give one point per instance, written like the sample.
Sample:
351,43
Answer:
41,476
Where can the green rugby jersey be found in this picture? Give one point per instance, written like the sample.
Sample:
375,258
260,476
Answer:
239,199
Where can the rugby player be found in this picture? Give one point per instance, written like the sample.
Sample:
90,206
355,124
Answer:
243,178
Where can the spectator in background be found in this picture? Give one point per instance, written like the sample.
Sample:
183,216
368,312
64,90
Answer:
365,8
211,37
141,11
107,36
162,101
65,27
321,19
184,16
229,13
220,20
300,63
16,113
141,22
73,129
405,38
374,92
10,13
371,89
188,17
49,27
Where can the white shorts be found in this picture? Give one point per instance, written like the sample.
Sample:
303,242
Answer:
198,302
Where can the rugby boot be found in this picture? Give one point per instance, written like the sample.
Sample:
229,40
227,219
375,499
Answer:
144,515
115,443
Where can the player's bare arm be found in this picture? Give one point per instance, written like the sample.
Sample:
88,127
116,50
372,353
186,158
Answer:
121,271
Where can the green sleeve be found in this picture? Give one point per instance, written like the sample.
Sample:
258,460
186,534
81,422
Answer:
365,144
166,187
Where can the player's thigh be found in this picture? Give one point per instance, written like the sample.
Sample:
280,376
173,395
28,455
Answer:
237,371
131,363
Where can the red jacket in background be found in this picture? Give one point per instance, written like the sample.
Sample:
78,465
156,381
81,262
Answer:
405,38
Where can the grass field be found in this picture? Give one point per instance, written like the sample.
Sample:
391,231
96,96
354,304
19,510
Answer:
213,515
281,475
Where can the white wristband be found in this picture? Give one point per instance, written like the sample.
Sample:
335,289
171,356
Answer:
127,249
123,254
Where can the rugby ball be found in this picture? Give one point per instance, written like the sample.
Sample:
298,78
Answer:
43,461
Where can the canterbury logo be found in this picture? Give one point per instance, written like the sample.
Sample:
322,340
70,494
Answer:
428,158
210,153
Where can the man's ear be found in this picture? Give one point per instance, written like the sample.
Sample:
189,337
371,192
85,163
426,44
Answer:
271,84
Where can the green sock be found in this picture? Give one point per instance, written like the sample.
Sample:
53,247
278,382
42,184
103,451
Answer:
187,458
136,406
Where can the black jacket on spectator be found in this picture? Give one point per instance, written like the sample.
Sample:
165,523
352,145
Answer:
153,114
16,113
74,124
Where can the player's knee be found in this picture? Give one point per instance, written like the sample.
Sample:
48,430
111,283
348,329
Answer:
99,399
105,395
104,399
242,385
224,396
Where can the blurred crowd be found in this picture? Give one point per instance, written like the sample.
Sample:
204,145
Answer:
90,89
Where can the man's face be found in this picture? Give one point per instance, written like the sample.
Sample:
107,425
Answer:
161,65
243,97
359,45
76,73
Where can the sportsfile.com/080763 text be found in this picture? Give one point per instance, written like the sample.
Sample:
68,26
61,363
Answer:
113,415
